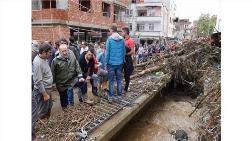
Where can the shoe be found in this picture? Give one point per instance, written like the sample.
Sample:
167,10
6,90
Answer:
80,100
95,91
85,96
90,102
119,99
106,90
110,99
125,91
115,98
71,104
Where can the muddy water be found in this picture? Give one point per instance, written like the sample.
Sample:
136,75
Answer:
165,113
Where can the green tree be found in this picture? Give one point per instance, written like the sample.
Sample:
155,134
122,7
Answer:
205,24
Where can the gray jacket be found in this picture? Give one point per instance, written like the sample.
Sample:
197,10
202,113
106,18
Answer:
42,74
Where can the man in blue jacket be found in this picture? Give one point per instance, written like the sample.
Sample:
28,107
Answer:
115,53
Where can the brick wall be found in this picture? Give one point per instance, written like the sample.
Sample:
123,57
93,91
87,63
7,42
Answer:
94,17
50,33
49,13
74,14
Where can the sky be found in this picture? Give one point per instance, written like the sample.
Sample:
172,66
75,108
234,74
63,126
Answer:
192,9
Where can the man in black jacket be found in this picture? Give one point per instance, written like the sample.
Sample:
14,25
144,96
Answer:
74,48
87,65
128,65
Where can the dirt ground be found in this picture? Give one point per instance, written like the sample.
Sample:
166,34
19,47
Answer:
56,108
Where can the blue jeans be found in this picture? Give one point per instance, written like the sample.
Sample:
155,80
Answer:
82,89
102,75
70,96
64,98
115,70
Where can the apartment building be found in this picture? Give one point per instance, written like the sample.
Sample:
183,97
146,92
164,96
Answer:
183,29
151,20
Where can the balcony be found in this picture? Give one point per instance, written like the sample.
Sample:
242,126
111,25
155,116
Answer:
148,18
155,3
148,33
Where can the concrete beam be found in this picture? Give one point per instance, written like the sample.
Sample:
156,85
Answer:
48,21
70,23
74,23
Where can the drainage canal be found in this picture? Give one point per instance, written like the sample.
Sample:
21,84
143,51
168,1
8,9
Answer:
159,120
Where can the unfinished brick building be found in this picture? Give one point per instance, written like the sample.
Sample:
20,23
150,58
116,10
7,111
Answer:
87,20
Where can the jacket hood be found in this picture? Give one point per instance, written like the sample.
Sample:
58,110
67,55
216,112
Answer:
116,36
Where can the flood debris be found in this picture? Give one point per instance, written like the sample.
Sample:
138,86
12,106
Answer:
199,69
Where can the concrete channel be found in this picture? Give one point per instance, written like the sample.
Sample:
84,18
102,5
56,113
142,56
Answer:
115,123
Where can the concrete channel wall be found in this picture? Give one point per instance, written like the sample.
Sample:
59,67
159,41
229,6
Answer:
113,125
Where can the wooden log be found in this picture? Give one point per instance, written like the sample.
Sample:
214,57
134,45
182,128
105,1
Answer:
159,58
183,58
149,70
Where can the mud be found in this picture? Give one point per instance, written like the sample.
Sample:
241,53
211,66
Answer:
168,112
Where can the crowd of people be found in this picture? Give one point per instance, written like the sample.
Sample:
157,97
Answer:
67,65
147,51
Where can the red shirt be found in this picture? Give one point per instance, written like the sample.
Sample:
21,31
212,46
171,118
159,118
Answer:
129,42
96,63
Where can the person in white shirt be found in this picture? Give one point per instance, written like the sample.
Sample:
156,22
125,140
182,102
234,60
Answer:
84,47
140,53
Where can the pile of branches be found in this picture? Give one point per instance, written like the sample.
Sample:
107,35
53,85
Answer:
64,125
193,64
210,102
198,68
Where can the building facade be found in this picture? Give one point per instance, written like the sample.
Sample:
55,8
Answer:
151,20
183,29
87,20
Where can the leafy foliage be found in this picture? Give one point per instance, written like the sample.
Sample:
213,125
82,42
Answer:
206,24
